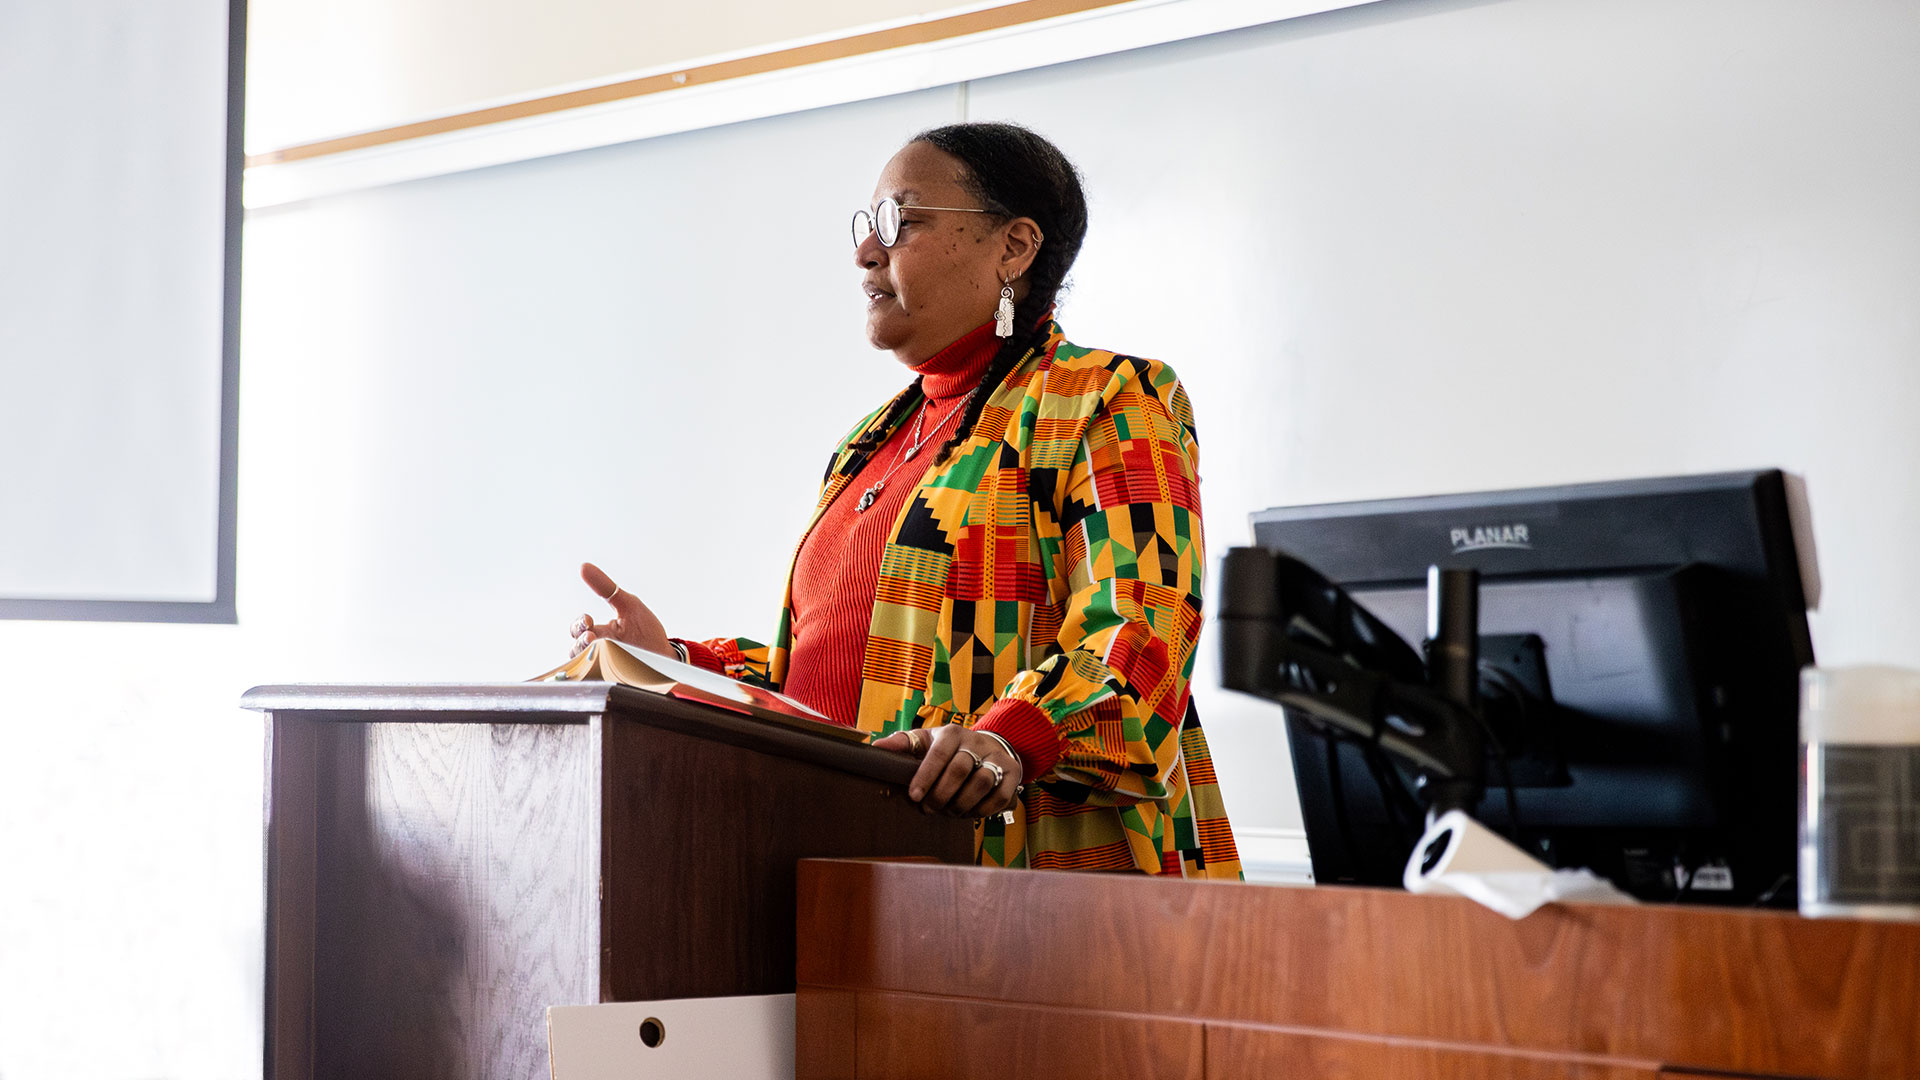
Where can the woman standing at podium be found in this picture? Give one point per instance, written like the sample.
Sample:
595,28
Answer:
1003,574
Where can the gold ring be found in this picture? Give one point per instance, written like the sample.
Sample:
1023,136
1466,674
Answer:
913,739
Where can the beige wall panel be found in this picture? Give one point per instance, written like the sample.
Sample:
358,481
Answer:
316,71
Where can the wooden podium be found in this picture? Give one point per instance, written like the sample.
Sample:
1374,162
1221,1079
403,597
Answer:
444,862
1004,973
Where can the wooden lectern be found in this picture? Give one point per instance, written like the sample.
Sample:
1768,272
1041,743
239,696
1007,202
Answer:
444,862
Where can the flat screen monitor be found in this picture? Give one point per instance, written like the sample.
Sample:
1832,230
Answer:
1639,649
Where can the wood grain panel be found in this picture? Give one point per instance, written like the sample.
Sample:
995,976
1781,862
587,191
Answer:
908,1037
700,885
1755,992
456,887
541,854
1236,1051
292,829
825,1025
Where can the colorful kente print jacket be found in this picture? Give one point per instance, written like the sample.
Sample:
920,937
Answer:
1056,558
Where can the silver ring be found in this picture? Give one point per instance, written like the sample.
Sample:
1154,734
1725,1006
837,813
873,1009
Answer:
974,756
999,774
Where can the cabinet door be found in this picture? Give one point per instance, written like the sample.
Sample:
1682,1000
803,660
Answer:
1234,1051
913,1037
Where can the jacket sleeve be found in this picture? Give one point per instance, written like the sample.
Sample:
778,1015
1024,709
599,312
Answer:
737,658
1100,717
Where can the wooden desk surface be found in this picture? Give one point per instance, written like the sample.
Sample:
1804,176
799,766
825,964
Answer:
938,971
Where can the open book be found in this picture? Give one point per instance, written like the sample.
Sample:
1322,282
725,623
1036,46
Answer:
613,661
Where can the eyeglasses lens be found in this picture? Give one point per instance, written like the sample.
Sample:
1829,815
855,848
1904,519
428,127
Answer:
884,220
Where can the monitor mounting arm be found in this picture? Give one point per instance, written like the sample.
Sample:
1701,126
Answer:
1291,636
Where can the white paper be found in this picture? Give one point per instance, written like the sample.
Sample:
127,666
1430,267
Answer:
1458,856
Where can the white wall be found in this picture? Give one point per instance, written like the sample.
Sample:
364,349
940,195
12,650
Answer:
1417,247
319,70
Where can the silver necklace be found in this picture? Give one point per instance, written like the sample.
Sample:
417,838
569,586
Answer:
907,452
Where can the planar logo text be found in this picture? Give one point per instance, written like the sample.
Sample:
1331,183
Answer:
1490,536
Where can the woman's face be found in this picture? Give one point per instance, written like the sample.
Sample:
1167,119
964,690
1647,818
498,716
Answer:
942,277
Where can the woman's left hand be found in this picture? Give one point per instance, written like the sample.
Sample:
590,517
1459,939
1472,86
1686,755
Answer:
962,772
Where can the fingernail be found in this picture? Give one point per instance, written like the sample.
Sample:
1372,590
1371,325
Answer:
914,794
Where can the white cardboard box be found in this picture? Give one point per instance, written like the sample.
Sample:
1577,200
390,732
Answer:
735,1038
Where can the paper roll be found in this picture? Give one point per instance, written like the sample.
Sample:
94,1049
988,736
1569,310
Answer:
1458,856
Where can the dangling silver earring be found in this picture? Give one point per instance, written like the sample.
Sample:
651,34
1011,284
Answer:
1003,315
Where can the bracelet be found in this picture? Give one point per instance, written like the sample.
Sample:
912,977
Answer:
1004,745
680,651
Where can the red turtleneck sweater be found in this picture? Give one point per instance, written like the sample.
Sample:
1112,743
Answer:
836,575
838,569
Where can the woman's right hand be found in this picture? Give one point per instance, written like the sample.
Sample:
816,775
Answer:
632,621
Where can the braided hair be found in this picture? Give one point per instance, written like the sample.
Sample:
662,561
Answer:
1014,173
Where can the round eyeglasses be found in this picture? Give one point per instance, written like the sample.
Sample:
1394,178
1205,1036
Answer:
885,220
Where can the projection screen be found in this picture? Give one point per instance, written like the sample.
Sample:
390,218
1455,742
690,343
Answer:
119,307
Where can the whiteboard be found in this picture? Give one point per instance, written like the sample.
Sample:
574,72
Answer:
118,308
